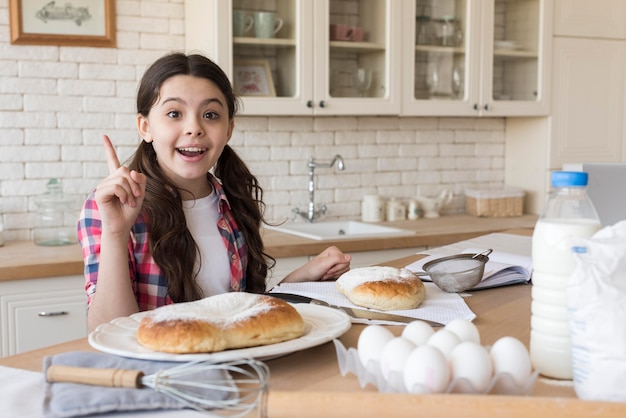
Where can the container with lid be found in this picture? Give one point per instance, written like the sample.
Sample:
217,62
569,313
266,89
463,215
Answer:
568,214
372,209
55,220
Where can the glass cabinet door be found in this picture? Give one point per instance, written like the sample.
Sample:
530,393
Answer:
516,66
325,57
361,60
476,57
440,75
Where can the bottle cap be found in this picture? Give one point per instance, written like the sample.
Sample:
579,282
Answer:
569,178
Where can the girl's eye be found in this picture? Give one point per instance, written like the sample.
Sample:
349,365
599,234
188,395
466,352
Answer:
173,114
211,115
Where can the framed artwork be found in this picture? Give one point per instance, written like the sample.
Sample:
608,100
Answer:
63,22
253,78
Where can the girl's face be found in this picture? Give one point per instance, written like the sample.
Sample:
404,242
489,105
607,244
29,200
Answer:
188,127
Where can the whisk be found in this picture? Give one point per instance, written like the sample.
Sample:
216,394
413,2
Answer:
233,388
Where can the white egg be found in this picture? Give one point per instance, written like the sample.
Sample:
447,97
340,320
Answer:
418,331
426,371
371,342
509,355
471,361
464,329
394,355
445,341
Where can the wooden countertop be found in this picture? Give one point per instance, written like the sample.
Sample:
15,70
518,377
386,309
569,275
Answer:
308,383
25,260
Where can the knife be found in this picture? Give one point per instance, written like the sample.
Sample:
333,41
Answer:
353,312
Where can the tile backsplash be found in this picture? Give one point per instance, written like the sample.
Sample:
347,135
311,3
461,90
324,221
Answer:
56,102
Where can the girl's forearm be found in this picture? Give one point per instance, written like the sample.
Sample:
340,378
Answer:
114,295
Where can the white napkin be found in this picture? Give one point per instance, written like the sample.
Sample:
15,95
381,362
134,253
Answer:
438,306
22,391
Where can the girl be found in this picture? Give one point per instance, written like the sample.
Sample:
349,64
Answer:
165,229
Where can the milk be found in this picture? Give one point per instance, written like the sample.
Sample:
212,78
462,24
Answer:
553,264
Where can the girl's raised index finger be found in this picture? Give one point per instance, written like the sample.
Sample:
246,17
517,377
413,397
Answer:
112,161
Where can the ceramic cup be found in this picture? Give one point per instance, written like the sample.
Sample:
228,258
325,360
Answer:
358,34
242,22
340,32
266,24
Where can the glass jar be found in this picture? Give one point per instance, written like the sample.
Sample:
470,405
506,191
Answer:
1,229
449,32
56,217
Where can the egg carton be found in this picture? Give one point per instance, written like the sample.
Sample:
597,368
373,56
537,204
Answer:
349,362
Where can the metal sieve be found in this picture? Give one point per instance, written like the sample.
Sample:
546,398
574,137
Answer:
457,273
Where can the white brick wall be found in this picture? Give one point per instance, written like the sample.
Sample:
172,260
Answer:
56,102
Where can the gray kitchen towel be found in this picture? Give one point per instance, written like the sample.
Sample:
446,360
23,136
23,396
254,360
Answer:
74,400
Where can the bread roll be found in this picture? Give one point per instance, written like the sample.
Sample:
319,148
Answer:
384,288
221,322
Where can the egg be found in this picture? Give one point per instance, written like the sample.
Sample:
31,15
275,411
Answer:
509,355
418,331
394,355
445,341
472,361
464,329
426,371
371,342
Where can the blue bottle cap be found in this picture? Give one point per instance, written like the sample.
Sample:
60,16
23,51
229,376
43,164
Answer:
569,178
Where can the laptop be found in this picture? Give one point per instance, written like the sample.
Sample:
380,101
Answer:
606,189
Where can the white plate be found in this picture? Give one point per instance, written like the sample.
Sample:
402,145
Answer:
322,325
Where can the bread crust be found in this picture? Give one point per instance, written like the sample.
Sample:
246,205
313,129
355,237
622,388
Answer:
221,322
383,288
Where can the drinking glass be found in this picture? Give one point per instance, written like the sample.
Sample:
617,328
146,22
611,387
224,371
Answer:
362,80
432,78
457,81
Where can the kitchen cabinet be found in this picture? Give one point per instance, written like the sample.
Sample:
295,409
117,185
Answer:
312,72
36,313
589,100
590,19
496,63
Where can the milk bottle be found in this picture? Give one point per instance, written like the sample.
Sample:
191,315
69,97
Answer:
568,213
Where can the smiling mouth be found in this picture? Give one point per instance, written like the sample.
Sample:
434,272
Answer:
191,151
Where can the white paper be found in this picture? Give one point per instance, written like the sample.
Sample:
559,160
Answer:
438,306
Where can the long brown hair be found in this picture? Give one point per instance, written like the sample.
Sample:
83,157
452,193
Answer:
171,243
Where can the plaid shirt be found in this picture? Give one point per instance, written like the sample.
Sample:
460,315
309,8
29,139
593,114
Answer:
149,285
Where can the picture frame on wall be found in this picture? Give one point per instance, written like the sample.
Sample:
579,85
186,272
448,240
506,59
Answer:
63,22
253,78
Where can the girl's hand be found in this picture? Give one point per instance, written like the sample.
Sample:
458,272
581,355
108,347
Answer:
329,264
120,195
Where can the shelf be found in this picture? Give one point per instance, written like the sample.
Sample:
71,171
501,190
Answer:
517,53
440,49
278,42
357,46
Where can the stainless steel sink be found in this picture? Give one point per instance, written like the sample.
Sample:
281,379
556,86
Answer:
336,230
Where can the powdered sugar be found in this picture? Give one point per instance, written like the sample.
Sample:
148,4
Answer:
358,276
223,309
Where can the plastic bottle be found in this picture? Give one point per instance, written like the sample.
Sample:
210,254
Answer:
568,213
55,221
372,209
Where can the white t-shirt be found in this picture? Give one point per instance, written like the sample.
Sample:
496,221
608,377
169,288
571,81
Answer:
202,217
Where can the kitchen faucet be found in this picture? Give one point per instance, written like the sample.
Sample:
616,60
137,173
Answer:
311,214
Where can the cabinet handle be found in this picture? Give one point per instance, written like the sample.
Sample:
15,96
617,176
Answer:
475,106
58,313
309,103
487,107
322,103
